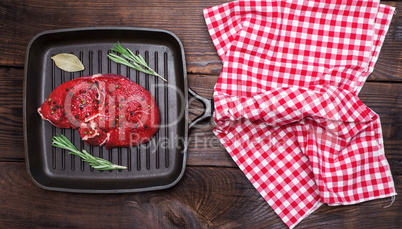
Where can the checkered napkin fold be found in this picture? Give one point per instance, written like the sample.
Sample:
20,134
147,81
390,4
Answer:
286,101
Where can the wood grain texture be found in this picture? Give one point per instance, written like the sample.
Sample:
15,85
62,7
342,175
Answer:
11,97
213,193
185,19
204,147
204,198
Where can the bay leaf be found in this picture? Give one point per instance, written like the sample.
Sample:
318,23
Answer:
68,62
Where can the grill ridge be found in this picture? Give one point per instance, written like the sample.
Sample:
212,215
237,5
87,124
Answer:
156,165
94,60
53,128
166,100
157,103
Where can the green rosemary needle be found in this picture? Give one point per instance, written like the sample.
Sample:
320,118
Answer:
95,162
138,62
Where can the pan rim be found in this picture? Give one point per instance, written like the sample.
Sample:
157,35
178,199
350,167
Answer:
119,190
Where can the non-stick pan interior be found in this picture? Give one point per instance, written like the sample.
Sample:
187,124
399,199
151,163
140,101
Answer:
155,165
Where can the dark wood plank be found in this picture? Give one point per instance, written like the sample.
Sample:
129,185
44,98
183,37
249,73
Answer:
204,198
183,19
388,66
204,147
11,97
213,193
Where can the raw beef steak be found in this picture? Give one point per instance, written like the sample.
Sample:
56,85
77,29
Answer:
108,109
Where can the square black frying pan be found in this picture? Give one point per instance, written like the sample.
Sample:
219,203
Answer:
158,164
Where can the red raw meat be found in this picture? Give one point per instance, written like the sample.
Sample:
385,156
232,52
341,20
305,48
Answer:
108,109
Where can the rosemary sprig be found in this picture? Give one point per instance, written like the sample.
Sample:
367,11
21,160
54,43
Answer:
138,64
95,162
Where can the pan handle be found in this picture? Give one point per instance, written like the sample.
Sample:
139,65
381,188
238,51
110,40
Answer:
209,108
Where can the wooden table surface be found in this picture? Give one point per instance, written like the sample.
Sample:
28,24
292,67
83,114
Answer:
213,193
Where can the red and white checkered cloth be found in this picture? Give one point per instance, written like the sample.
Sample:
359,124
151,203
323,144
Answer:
286,105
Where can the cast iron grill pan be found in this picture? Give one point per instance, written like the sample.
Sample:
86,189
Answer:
157,164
